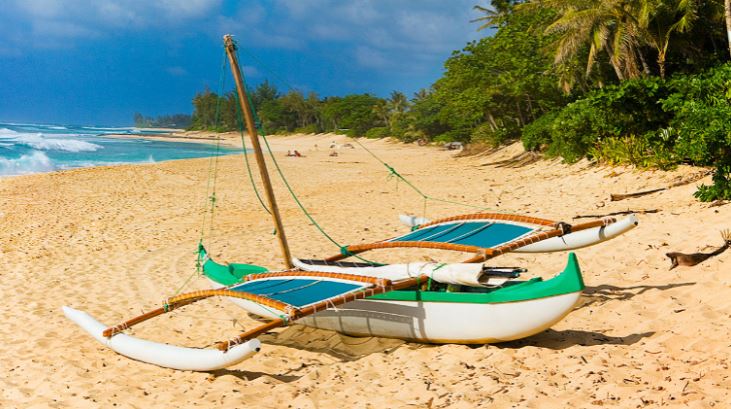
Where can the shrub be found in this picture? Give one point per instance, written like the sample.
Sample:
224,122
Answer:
454,135
485,134
630,108
639,150
378,132
537,135
701,108
721,188
311,128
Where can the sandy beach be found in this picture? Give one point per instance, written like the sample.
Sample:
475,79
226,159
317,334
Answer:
115,241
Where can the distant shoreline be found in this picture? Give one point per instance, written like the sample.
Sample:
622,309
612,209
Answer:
228,139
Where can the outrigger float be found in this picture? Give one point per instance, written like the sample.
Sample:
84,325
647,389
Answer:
466,303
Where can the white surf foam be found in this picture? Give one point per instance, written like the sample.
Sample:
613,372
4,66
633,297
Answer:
37,141
7,133
34,162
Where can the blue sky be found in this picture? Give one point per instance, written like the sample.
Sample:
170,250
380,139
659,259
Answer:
97,62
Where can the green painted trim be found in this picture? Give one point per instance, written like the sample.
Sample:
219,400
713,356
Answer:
569,281
227,274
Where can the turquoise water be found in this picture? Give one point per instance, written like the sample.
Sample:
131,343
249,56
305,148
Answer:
34,148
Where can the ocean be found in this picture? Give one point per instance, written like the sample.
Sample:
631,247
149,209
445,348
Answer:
35,148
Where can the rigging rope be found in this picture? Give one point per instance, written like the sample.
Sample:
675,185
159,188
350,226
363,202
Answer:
394,173
246,156
260,128
212,177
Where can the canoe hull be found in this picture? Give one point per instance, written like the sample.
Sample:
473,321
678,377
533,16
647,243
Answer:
438,322
516,310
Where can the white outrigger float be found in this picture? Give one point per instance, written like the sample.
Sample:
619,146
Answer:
464,303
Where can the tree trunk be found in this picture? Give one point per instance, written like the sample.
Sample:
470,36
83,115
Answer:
530,108
617,70
491,121
645,67
614,63
661,61
521,120
727,8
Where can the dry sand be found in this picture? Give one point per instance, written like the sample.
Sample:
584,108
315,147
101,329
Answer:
117,240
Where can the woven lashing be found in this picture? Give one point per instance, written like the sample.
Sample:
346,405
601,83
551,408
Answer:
259,299
493,216
189,298
381,282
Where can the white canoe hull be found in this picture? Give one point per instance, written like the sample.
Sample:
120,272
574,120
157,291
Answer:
437,322
168,356
583,238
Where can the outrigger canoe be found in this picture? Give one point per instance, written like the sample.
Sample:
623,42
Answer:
359,305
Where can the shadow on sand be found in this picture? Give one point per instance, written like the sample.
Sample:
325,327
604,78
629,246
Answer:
604,293
556,340
250,376
339,346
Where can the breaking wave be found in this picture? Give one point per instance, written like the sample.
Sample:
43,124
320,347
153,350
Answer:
37,141
5,132
31,163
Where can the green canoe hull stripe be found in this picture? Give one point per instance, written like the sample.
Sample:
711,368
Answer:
227,275
569,281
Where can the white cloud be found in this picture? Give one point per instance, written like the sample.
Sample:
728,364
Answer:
383,33
52,23
177,71
371,58
186,9
250,71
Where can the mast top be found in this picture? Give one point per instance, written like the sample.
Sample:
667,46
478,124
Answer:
228,42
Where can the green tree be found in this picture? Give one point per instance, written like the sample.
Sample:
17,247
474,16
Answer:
504,81
610,26
659,19
205,105
353,114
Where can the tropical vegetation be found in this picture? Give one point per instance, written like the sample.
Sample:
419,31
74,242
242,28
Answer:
642,82
180,121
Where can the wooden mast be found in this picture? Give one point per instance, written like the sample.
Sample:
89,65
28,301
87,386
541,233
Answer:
251,129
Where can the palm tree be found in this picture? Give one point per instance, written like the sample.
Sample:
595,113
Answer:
609,26
495,15
396,106
381,111
659,19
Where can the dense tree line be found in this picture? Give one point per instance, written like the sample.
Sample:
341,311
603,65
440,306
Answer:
645,82
290,112
181,121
